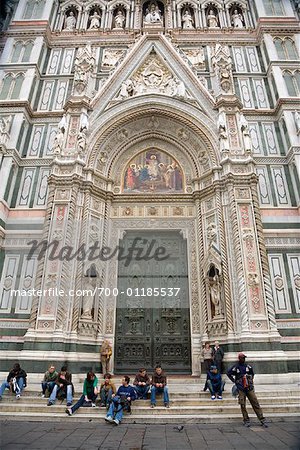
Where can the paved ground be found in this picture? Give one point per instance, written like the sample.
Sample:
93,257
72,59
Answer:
98,435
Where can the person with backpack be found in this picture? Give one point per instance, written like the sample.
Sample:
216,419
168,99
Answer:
121,402
16,381
242,375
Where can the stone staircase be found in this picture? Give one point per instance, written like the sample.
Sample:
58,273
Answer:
188,404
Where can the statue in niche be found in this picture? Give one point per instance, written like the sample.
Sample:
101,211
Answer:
223,136
187,20
70,22
95,21
297,122
245,131
4,129
119,19
215,296
60,135
212,21
153,15
225,80
81,141
237,19
88,298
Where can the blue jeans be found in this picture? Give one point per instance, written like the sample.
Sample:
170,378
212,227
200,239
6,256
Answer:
81,402
106,395
142,391
217,389
56,388
115,409
18,386
48,385
155,390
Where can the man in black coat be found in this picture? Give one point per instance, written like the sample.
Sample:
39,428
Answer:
16,381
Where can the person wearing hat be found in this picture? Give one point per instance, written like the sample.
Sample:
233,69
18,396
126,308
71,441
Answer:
142,383
242,375
215,383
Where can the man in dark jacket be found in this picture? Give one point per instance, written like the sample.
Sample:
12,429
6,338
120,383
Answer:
218,355
242,375
142,383
159,384
49,380
63,384
121,401
215,383
16,381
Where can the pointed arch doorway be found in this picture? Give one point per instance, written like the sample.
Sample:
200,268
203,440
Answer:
153,314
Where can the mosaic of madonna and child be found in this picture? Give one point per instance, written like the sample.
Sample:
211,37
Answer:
153,171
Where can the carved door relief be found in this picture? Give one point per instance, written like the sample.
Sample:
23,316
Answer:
153,317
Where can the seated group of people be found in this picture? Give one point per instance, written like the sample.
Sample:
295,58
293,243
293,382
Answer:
116,401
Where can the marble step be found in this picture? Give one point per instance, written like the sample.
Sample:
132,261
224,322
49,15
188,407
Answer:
153,419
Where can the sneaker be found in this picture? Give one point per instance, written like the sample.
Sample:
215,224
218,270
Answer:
108,419
264,424
69,411
102,405
69,404
153,405
167,405
18,396
93,405
213,397
220,397
116,421
247,424
49,404
43,395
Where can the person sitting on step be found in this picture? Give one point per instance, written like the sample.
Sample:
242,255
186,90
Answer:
215,383
107,388
49,380
90,392
159,385
63,387
15,382
142,383
121,402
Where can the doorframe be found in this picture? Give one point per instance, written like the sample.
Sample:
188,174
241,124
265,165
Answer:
185,225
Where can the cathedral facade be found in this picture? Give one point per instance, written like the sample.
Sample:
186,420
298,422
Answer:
149,182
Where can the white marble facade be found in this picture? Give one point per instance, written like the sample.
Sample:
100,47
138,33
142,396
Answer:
196,81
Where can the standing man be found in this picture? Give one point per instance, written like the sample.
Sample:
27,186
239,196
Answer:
218,355
242,375
105,355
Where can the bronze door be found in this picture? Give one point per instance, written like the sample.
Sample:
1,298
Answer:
151,327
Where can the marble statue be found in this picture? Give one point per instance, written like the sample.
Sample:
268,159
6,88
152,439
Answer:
119,19
60,135
297,122
88,299
81,141
4,129
95,21
70,22
180,89
127,89
83,65
212,21
243,123
187,20
196,56
223,136
215,294
237,19
153,16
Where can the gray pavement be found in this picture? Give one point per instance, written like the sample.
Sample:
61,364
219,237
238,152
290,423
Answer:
17,435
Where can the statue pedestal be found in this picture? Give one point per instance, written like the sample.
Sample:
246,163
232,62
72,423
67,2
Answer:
87,327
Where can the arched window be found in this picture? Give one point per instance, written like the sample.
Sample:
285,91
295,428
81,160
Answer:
292,81
285,48
34,9
22,51
274,8
11,86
